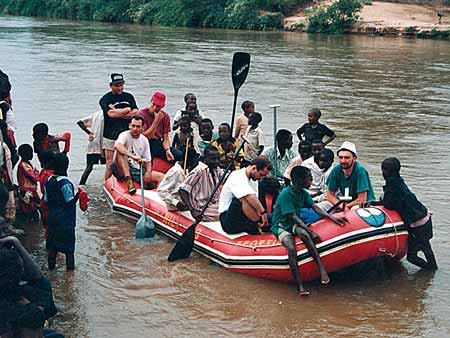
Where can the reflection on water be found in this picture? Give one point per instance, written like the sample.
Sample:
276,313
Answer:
389,96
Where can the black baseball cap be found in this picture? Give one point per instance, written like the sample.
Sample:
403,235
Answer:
117,78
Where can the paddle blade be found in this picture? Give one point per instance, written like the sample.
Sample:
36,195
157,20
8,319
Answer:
145,228
184,246
239,69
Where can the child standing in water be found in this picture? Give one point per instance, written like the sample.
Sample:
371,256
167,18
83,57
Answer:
28,178
43,141
415,215
286,224
61,201
46,172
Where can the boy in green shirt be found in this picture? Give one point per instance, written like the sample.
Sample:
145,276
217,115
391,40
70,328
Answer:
286,224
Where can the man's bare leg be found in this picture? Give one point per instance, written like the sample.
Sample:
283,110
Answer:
306,238
249,211
109,154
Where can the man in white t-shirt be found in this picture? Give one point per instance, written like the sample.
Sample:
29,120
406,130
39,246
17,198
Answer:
239,207
131,150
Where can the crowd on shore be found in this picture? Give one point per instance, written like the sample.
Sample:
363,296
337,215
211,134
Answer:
303,185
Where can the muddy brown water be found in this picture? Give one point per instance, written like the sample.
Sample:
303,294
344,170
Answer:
390,96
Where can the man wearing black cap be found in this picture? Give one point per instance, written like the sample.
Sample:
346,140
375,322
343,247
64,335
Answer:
118,107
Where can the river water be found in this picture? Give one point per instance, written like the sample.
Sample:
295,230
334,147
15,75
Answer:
390,96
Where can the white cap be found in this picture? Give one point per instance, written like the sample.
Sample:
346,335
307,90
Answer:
348,146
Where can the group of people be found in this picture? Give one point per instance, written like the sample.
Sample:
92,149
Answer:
303,185
26,299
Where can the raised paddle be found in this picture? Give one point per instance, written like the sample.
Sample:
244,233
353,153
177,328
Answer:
239,72
145,227
184,246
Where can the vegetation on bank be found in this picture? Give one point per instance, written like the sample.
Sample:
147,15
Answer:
234,14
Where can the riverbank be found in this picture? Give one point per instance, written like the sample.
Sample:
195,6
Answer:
385,18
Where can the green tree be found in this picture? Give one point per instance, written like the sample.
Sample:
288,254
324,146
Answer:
337,18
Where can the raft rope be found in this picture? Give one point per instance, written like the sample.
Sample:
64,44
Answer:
397,242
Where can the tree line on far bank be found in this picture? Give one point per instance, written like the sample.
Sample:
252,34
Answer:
233,14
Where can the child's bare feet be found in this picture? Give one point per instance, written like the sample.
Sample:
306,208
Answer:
303,292
324,278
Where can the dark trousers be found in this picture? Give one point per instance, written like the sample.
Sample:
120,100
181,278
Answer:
157,150
234,220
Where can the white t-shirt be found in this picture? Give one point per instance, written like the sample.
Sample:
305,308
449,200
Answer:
137,146
255,139
237,185
94,122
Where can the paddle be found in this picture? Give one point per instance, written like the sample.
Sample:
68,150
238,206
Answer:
184,246
239,71
145,227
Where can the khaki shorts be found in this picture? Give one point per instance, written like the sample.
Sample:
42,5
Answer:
108,144
281,233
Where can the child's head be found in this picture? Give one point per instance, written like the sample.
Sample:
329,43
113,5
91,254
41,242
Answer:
284,139
254,119
61,164
326,159
224,131
206,128
25,152
314,115
47,158
316,148
191,109
190,97
248,107
185,124
304,149
40,131
390,167
301,177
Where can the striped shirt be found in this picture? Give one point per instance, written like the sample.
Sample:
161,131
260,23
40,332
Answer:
199,183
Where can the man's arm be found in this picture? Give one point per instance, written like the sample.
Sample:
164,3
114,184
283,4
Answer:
32,271
84,128
187,202
116,113
362,197
237,128
329,139
121,149
331,197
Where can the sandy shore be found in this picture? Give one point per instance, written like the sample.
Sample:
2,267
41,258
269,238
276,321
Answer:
388,18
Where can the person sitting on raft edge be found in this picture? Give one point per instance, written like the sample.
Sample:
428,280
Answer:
286,224
415,215
349,174
132,149
239,207
199,185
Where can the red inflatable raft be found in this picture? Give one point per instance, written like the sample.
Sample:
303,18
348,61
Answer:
371,232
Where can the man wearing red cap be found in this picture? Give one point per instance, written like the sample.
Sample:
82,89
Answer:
157,128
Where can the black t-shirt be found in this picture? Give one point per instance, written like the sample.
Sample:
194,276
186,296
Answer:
114,126
310,134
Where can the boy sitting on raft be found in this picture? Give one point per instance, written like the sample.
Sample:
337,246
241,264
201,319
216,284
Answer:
286,224
416,217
